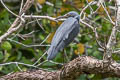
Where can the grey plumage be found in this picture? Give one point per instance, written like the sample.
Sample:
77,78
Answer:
64,35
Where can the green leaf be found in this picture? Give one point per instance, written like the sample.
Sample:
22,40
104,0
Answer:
6,46
1,55
1,67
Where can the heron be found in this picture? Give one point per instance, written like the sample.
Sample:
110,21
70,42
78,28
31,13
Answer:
65,34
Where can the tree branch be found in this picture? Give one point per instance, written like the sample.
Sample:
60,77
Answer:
17,23
112,38
70,71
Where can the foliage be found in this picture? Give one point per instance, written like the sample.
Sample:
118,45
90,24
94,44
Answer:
11,51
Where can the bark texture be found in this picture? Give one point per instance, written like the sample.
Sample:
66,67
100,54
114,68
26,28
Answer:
70,71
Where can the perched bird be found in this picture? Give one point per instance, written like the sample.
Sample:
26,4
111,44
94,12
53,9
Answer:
65,34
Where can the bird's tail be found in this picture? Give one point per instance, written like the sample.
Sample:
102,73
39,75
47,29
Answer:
52,52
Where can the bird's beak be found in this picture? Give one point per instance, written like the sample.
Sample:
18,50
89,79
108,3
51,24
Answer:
60,17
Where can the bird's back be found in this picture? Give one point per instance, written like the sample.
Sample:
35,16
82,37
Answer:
65,34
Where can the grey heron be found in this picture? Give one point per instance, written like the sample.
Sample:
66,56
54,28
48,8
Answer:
65,34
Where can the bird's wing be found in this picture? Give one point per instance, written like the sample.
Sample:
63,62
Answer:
63,36
63,31
72,34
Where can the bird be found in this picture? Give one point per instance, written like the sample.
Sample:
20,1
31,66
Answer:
65,34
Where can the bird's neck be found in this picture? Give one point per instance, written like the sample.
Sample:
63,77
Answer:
77,17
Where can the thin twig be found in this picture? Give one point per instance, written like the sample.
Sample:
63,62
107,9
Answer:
37,45
40,58
9,9
21,6
4,64
42,17
40,25
106,12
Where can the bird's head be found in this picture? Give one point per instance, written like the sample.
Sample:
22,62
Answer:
70,14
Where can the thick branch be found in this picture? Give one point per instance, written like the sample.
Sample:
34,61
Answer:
70,71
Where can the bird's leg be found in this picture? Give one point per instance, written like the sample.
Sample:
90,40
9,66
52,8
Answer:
86,53
78,54
66,56
63,57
